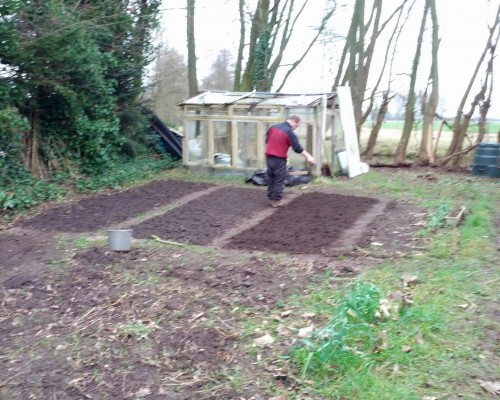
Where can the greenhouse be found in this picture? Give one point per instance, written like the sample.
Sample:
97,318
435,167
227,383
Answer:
226,130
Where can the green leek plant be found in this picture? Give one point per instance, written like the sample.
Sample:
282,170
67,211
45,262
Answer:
346,337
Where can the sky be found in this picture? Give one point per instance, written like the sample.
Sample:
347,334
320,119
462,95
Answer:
463,32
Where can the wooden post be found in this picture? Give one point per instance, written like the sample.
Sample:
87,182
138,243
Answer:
320,135
185,149
210,143
260,145
234,144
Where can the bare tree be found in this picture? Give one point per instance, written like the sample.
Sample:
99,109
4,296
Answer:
485,105
387,96
429,105
170,86
272,27
358,52
455,151
400,154
221,74
241,46
379,119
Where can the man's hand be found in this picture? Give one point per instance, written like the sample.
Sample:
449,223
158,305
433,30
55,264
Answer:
309,158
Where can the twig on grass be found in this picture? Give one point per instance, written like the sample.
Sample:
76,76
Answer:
83,316
6,382
177,383
225,323
167,241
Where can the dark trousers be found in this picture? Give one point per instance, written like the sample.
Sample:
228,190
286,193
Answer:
276,174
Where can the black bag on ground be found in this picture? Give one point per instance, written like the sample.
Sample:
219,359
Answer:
298,179
258,178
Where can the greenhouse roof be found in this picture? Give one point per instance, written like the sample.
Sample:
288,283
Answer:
223,98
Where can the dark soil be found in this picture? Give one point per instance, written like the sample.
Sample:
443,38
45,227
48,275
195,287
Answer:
161,321
96,212
319,224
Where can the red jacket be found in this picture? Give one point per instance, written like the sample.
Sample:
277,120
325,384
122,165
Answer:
279,138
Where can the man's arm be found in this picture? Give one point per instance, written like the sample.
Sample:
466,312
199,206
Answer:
309,158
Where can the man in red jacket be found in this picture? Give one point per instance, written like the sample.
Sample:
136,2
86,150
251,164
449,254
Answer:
279,138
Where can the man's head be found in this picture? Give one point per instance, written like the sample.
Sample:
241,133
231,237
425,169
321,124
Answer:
294,121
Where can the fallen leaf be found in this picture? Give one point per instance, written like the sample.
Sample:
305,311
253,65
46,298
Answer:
382,342
407,300
306,332
76,381
282,330
409,279
308,315
143,392
376,244
406,348
286,313
396,296
264,341
419,338
419,223
196,316
490,387
162,391
385,308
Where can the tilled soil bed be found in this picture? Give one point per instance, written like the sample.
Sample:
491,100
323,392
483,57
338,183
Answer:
163,320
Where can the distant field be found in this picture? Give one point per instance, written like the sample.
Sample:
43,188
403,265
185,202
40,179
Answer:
491,126
390,135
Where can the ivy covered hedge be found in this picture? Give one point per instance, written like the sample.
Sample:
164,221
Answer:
70,87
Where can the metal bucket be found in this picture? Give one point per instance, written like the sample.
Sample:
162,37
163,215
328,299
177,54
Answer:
119,239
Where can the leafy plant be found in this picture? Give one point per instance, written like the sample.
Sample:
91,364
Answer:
11,127
28,193
75,80
438,218
125,172
348,334
138,329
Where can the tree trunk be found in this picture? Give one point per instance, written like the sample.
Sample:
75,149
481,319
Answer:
192,77
400,154
139,40
486,104
372,140
273,24
357,58
259,25
462,120
386,97
276,64
426,154
30,150
239,58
